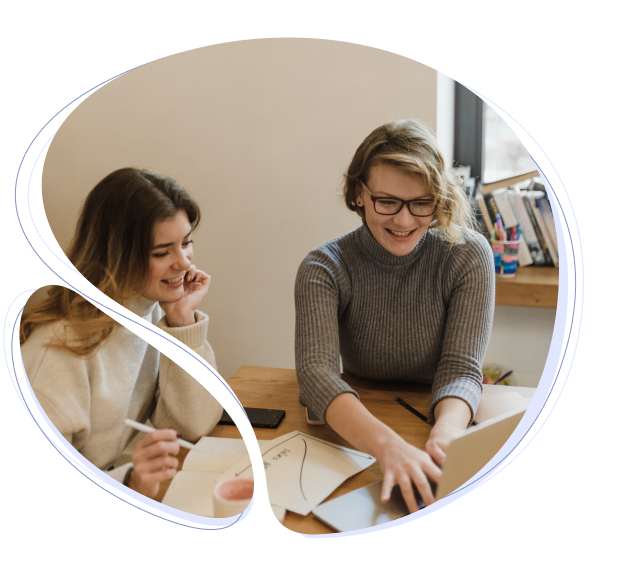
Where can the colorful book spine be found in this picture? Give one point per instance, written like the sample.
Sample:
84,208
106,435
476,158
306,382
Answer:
527,229
537,230
510,220
485,214
548,218
550,244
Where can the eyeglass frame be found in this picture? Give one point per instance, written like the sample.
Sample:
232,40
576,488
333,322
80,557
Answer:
404,202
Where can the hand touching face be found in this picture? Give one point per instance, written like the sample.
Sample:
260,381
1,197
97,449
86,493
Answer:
174,281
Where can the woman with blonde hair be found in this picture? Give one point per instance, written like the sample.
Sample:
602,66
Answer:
133,242
408,296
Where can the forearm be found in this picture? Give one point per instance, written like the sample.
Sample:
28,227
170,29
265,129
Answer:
453,412
353,422
182,402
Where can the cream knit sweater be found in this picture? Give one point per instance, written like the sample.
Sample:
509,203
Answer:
88,399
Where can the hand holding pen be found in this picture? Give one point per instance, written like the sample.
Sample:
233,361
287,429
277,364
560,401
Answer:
154,458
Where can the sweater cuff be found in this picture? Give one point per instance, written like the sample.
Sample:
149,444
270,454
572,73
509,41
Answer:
466,390
120,473
191,335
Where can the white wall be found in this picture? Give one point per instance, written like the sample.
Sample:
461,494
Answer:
260,133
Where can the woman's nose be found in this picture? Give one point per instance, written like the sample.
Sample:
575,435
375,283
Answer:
404,218
181,261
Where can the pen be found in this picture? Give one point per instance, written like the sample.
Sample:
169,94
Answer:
502,377
145,428
411,409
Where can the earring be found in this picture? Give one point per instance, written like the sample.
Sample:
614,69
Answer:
359,203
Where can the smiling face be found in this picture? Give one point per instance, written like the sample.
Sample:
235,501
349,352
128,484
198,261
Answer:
398,233
169,258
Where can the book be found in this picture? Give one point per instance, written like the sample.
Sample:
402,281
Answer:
191,488
527,229
509,220
492,207
548,218
550,244
484,213
537,229
301,471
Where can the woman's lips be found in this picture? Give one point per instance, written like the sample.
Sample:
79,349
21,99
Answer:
399,236
177,283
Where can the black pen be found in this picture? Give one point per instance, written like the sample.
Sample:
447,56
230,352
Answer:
411,409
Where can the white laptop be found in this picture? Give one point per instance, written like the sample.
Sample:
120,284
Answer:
466,456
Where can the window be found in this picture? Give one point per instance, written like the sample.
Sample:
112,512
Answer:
483,141
504,155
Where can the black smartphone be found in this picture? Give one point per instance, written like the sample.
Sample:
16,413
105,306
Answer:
258,417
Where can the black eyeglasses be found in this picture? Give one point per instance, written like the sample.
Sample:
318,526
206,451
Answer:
391,206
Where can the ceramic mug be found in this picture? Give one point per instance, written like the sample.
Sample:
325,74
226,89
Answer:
232,496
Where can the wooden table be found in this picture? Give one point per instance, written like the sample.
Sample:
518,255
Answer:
262,387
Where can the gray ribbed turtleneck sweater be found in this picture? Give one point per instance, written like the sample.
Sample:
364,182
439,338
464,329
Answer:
424,317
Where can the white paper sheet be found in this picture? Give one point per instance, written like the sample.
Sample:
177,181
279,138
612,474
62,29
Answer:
492,407
191,492
191,488
302,470
215,454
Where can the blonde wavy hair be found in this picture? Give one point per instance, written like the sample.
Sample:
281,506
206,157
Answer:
111,248
412,147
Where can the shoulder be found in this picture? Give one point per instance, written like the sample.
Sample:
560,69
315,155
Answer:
332,253
328,263
44,358
474,246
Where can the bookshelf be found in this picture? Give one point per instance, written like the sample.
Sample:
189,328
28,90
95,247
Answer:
532,286
489,188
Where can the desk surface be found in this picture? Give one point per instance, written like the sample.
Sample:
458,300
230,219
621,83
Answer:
263,387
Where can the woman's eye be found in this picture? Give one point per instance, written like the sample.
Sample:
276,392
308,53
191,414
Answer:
389,203
160,255
186,244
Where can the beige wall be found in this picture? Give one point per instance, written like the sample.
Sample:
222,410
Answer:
260,133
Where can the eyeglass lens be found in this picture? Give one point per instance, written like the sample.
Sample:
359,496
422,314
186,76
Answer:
390,206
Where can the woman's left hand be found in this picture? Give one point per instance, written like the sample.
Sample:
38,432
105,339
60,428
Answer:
452,417
182,312
440,437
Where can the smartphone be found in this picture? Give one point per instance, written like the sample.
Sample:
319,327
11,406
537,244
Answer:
312,418
258,417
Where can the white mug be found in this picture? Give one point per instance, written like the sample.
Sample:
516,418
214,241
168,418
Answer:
231,496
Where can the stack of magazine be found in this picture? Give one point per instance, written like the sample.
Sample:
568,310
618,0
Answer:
525,204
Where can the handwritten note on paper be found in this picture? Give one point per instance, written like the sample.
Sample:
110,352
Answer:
302,470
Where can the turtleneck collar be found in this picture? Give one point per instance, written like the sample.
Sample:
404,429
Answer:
379,254
141,306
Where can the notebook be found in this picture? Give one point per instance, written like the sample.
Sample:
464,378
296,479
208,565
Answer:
466,456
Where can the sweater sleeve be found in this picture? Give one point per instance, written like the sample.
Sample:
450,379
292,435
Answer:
61,385
181,402
468,325
317,343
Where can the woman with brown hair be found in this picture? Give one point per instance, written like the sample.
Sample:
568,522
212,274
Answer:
408,296
133,242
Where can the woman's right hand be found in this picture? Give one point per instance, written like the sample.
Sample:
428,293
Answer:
406,465
401,463
154,461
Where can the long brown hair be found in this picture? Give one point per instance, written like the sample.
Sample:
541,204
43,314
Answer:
110,248
412,147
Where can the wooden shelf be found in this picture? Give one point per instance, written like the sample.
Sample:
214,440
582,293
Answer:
531,287
490,187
